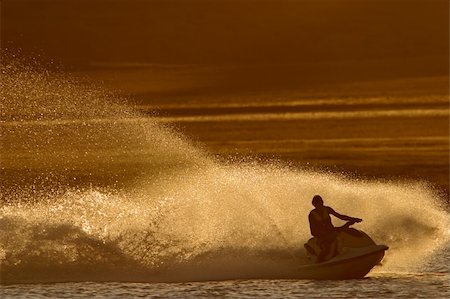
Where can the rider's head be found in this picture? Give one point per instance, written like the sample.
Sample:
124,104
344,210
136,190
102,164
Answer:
317,201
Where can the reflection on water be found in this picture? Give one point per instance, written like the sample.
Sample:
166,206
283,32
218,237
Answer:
311,115
391,285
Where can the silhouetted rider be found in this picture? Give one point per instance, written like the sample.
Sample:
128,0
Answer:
322,228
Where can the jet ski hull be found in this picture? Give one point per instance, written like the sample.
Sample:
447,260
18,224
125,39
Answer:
351,265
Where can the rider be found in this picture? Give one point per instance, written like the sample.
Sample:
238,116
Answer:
322,228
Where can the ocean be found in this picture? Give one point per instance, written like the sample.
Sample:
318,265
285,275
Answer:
101,198
388,285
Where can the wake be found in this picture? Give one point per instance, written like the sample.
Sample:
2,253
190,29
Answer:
182,215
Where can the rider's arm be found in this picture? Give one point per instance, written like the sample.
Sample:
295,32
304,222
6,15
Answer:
343,217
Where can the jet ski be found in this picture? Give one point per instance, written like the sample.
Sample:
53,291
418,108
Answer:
354,255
